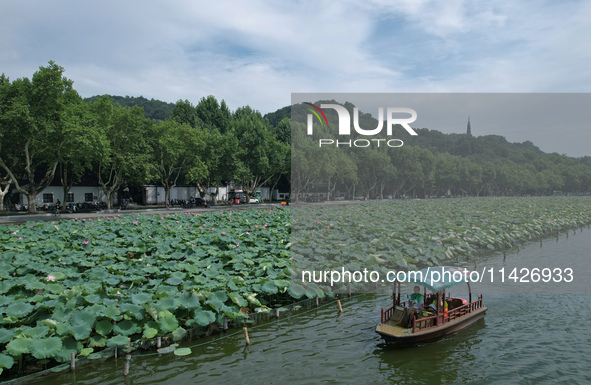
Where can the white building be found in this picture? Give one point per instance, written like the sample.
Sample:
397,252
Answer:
77,194
155,195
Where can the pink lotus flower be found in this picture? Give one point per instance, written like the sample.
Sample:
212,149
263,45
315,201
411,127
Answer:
14,233
85,243
136,223
20,238
192,245
50,278
213,228
200,228
223,233
237,244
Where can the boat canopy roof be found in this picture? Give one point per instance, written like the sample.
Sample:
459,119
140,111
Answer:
440,277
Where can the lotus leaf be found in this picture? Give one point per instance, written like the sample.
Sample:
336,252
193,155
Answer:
179,334
189,300
238,299
149,333
6,335
80,331
167,322
205,317
168,349
86,351
182,352
104,327
93,298
19,309
97,341
269,288
174,281
135,310
18,346
83,317
46,347
118,340
69,345
126,328
39,331
112,312
214,303
6,361
167,303
296,290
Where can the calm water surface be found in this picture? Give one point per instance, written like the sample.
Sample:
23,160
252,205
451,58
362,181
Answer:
528,336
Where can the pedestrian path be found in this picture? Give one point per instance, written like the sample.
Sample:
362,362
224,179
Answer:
50,216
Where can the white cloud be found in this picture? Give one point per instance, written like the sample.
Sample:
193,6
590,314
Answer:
258,52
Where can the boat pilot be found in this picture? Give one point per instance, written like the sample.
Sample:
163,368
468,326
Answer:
415,304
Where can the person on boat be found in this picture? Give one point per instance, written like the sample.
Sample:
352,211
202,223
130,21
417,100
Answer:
442,305
415,304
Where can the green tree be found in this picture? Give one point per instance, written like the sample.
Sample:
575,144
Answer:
34,127
215,163
176,148
79,152
258,150
123,153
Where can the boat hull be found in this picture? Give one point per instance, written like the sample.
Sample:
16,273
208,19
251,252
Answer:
431,334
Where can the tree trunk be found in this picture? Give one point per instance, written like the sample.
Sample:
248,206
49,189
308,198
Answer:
166,195
3,192
31,197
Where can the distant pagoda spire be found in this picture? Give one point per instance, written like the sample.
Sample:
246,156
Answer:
469,130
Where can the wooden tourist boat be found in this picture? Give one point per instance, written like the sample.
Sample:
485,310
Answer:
460,314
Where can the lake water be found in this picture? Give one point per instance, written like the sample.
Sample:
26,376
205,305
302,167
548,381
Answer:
527,336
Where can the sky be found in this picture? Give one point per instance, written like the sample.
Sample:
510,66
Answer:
258,53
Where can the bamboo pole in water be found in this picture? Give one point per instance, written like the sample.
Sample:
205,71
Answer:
246,335
126,366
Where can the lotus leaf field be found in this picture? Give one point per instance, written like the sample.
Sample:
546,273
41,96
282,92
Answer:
413,234
83,285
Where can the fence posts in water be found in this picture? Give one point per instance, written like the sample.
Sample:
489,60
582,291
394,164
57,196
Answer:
115,352
126,366
158,342
246,335
277,313
225,323
339,304
72,360
349,289
317,303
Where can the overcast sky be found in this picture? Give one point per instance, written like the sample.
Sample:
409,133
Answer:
259,52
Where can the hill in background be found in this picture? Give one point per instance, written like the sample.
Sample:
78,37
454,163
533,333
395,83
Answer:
153,109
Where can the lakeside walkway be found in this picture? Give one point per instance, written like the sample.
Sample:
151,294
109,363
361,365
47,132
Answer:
23,217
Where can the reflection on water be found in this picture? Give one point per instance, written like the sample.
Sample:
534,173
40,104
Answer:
524,338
